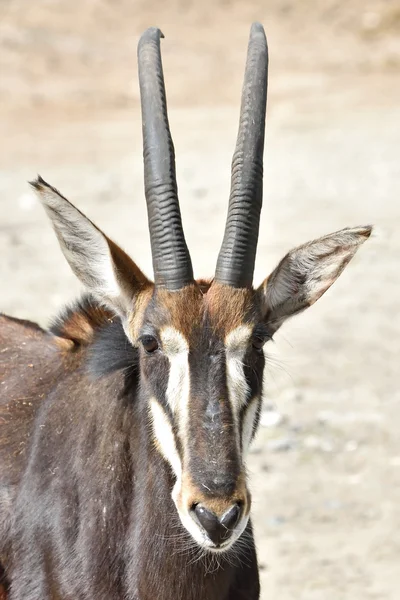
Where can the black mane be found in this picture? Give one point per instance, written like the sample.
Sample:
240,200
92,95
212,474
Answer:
112,351
89,324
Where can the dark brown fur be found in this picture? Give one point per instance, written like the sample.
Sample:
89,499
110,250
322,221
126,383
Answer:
84,494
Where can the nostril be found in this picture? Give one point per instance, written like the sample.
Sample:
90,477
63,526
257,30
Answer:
218,530
207,519
231,517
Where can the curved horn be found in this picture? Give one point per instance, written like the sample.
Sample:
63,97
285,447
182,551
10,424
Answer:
235,265
171,259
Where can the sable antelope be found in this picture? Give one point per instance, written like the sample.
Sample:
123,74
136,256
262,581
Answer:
124,429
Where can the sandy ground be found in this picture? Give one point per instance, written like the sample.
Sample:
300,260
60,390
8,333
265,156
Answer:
326,464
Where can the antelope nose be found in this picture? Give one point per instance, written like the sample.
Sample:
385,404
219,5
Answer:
218,529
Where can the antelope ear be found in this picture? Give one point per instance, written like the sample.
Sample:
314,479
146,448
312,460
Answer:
106,271
306,272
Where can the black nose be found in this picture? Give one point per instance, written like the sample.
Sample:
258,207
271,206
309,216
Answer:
218,529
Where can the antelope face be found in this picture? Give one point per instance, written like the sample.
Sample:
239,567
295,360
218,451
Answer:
202,365
201,344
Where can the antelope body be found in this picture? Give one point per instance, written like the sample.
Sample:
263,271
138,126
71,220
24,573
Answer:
124,428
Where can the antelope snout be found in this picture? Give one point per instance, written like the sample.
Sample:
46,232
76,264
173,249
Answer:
218,529
215,518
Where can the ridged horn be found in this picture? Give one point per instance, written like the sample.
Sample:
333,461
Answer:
235,265
171,260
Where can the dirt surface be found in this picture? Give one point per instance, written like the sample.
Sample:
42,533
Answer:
326,463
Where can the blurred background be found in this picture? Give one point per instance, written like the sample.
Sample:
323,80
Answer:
326,464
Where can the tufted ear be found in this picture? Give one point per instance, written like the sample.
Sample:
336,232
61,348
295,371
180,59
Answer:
106,271
306,272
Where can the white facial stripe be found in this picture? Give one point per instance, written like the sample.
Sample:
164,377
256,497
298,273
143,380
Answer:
236,344
237,340
248,424
165,437
176,349
173,342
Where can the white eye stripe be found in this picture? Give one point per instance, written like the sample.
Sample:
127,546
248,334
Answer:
237,340
236,344
165,436
237,385
173,342
176,349
178,383
248,424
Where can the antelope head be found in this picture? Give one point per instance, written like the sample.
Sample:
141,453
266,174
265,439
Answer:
201,344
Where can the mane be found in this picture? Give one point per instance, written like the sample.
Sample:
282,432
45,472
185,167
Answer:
112,351
80,321
90,324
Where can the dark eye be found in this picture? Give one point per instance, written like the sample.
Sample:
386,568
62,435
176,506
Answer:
149,343
258,343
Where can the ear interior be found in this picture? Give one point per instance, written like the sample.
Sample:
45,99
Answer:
306,272
105,270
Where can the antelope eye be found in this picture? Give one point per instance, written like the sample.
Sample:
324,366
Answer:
149,343
258,343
